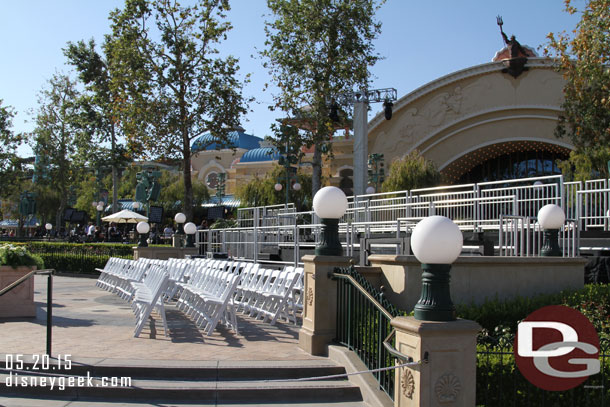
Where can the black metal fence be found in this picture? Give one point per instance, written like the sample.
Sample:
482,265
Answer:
500,383
363,322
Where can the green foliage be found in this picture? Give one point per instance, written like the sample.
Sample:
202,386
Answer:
584,60
16,255
316,50
586,163
78,258
9,141
499,382
496,315
411,172
174,89
11,166
172,191
100,107
58,139
261,191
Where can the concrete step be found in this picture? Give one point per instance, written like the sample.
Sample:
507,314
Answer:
201,382
55,402
184,370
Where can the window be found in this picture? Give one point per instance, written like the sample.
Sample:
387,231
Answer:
212,180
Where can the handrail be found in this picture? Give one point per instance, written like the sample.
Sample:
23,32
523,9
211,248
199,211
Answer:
364,292
49,274
363,321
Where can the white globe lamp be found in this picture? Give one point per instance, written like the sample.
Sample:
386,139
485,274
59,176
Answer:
190,229
330,204
48,227
143,228
100,208
180,218
278,187
551,218
370,190
296,186
436,242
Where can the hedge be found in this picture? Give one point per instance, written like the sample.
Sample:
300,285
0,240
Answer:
78,257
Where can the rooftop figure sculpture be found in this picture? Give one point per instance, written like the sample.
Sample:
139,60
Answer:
517,54
514,47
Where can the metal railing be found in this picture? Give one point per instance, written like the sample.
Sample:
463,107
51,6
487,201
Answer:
523,236
363,322
474,207
49,274
593,208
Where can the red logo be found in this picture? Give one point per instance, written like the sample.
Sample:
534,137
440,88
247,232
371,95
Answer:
557,348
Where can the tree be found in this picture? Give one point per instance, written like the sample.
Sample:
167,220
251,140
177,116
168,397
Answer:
9,141
58,138
584,60
174,89
10,163
261,191
172,192
100,104
315,50
411,172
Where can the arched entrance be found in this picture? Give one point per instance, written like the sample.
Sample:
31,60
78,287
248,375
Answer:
509,160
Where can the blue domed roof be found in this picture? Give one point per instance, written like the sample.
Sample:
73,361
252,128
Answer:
260,154
235,138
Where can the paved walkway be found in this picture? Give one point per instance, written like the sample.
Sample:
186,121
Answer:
89,322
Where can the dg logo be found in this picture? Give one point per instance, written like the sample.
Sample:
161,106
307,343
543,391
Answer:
557,348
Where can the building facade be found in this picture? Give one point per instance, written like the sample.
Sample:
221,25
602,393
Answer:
482,123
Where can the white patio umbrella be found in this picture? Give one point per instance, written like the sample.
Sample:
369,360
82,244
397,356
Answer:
125,216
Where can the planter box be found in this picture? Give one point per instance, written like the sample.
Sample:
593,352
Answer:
19,302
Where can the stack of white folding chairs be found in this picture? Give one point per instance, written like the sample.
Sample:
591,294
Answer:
271,294
209,291
141,282
148,295
208,296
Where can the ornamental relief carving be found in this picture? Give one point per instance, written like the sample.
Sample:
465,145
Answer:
310,296
447,388
407,383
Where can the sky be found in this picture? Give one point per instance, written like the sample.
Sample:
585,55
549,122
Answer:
420,41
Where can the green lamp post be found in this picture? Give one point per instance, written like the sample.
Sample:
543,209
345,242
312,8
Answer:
551,218
330,204
190,229
376,172
436,242
143,228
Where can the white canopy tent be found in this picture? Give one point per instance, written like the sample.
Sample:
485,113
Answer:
125,216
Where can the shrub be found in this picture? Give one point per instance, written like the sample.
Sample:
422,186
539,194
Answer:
18,255
77,257
593,301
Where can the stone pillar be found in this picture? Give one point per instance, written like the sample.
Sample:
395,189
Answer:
320,303
449,376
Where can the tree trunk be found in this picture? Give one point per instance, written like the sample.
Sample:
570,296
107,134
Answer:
115,175
316,176
188,185
115,189
60,213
